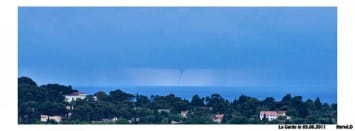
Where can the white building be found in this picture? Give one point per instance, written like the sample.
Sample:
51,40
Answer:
175,122
184,113
46,118
74,96
112,120
218,118
164,110
271,115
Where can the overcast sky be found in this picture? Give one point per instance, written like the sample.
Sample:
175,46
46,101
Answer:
283,47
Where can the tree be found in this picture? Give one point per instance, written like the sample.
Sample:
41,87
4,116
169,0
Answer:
142,101
334,106
118,96
242,99
292,112
309,104
238,120
29,97
28,112
303,112
122,121
34,100
29,91
26,81
196,101
101,96
269,103
165,121
180,105
217,103
286,100
199,119
52,108
296,101
282,118
318,104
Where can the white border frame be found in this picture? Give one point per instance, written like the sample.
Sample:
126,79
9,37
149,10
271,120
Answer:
8,57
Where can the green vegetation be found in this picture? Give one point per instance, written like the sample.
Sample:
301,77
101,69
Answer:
119,107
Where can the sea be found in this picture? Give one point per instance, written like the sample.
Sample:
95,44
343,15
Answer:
229,93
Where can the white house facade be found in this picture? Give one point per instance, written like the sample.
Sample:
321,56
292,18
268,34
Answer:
46,118
271,115
74,96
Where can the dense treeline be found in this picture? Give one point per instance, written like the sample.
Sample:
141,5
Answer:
48,99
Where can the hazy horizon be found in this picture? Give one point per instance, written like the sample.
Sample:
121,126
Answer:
289,48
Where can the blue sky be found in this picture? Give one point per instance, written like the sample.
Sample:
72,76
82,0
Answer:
260,47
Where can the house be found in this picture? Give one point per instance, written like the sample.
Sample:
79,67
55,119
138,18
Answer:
288,118
134,120
175,122
218,118
271,115
113,120
75,96
46,118
69,108
184,113
164,110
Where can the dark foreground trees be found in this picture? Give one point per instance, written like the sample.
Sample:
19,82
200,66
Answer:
123,108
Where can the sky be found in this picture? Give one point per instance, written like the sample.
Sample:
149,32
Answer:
235,47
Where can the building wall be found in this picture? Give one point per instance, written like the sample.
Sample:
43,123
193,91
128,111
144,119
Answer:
73,98
271,117
57,119
45,118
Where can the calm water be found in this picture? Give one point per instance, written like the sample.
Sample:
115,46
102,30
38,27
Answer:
229,93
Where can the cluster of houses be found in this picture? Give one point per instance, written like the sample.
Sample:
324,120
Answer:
273,115
184,114
269,115
67,98
218,118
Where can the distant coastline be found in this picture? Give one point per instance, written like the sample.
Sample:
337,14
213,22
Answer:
60,104
229,93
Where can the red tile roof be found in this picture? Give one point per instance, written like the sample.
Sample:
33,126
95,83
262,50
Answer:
219,116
